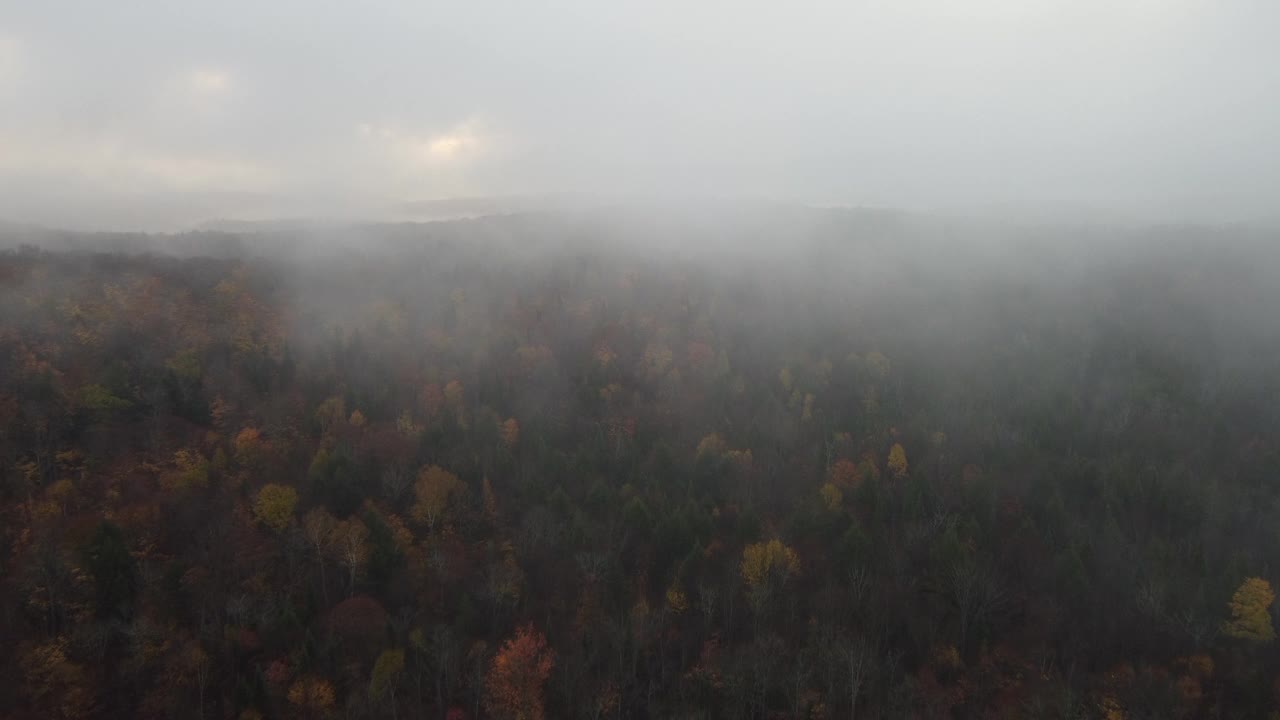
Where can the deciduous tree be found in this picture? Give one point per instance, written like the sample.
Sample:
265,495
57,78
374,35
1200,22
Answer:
274,506
831,496
386,676
898,461
351,539
1250,612
766,562
313,696
433,490
319,529
513,684
510,430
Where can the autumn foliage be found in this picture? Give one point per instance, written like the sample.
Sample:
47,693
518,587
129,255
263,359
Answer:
245,480
513,684
1250,612
768,562
897,462
434,490
274,505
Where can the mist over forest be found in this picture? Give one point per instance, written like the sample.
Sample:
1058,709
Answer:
626,361
759,461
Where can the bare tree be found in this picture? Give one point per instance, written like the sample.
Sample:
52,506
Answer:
977,595
858,655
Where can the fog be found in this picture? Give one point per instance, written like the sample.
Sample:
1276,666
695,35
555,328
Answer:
163,116
907,359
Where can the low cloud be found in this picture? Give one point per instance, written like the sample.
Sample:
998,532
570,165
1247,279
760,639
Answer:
465,141
10,62
116,164
1160,110
209,81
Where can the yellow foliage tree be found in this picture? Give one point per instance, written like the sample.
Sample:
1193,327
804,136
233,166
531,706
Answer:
434,489
274,505
657,359
331,412
740,459
1111,708
714,448
711,446
312,695
677,602
58,687
898,461
60,495
1250,619
191,470
386,674
947,657
766,561
406,426
831,496
807,413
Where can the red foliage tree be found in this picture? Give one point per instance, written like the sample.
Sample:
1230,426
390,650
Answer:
361,623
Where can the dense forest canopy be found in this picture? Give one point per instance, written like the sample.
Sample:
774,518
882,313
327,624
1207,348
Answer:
757,463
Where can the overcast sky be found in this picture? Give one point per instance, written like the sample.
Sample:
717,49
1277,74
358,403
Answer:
145,113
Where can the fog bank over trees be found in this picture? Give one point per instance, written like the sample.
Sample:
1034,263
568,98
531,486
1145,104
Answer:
704,462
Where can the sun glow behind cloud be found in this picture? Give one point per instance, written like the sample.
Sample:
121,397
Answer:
209,81
416,161
465,141
922,104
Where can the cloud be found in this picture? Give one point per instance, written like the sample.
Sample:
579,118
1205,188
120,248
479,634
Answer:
405,162
456,147
911,103
460,142
10,61
209,81
465,140
114,163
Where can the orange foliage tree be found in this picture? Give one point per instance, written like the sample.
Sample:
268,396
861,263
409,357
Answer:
513,687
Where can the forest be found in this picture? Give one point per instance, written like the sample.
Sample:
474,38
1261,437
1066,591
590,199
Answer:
770,464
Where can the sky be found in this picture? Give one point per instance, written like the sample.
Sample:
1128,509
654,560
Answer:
155,114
